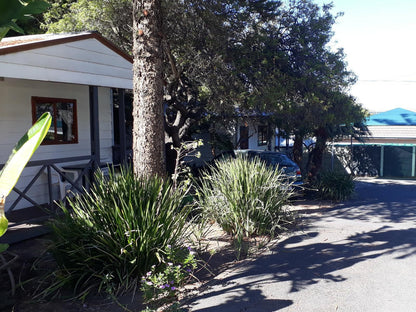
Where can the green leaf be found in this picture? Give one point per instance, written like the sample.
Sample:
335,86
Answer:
13,26
17,10
3,225
3,247
36,7
22,152
9,10
3,31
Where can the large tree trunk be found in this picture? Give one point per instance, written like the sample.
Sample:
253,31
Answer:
298,150
317,153
148,123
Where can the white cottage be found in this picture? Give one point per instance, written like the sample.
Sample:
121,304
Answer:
73,77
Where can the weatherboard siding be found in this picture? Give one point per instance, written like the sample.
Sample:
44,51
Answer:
16,118
83,62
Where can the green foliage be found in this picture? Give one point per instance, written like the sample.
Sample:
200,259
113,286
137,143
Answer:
17,161
245,197
3,247
14,10
113,234
165,279
4,223
260,56
336,185
22,152
112,18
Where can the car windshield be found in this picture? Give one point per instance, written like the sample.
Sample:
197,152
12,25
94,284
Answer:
275,159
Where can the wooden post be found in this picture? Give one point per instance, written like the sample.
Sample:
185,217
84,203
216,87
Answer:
382,161
122,126
50,189
94,127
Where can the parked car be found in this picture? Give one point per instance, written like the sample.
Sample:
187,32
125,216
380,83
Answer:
277,160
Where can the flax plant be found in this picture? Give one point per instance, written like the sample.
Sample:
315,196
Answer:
336,185
245,197
111,236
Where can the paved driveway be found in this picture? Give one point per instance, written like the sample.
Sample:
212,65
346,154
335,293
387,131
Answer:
358,256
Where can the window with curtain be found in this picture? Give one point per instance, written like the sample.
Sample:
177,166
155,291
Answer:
64,128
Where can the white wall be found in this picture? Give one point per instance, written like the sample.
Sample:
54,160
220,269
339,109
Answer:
16,118
252,136
85,61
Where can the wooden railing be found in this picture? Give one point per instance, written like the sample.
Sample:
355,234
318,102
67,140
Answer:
51,165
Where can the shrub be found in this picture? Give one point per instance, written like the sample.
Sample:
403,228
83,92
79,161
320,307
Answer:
111,236
335,185
245,197
177,271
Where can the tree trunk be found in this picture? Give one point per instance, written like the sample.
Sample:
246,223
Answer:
298,150
317,153
148,123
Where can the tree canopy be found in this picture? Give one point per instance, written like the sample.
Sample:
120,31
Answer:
12,11
263,56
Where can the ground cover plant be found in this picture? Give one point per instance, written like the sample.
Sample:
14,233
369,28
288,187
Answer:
245,197
114,234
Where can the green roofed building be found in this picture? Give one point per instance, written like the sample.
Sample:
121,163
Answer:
391,145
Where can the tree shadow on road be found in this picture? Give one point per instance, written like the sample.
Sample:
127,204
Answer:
381,201
307,258
300,261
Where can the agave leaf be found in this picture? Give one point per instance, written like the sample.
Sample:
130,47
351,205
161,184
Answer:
22,152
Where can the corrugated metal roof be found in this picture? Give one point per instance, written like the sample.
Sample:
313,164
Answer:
394,117
393,131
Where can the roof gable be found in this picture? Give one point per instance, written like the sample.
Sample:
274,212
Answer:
85,58
394,117
23,43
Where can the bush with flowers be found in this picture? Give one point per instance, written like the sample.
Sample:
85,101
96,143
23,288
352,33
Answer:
165,279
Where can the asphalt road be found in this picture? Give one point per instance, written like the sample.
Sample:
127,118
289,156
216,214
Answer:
357,256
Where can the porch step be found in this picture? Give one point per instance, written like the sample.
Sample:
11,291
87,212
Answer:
24,231
26,224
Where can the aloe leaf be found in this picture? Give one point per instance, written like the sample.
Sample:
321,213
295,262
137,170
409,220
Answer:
22,152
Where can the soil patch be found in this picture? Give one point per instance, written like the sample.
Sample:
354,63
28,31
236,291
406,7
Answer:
217,255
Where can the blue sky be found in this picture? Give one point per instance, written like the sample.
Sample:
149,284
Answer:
379,39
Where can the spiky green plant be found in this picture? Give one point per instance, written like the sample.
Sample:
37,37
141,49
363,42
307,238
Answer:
245,197
112,235
336,185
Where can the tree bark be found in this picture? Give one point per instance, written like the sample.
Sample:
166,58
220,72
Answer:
298,150
148,120
317,153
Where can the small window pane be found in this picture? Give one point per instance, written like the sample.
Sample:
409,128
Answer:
63,129
262,135
65,121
